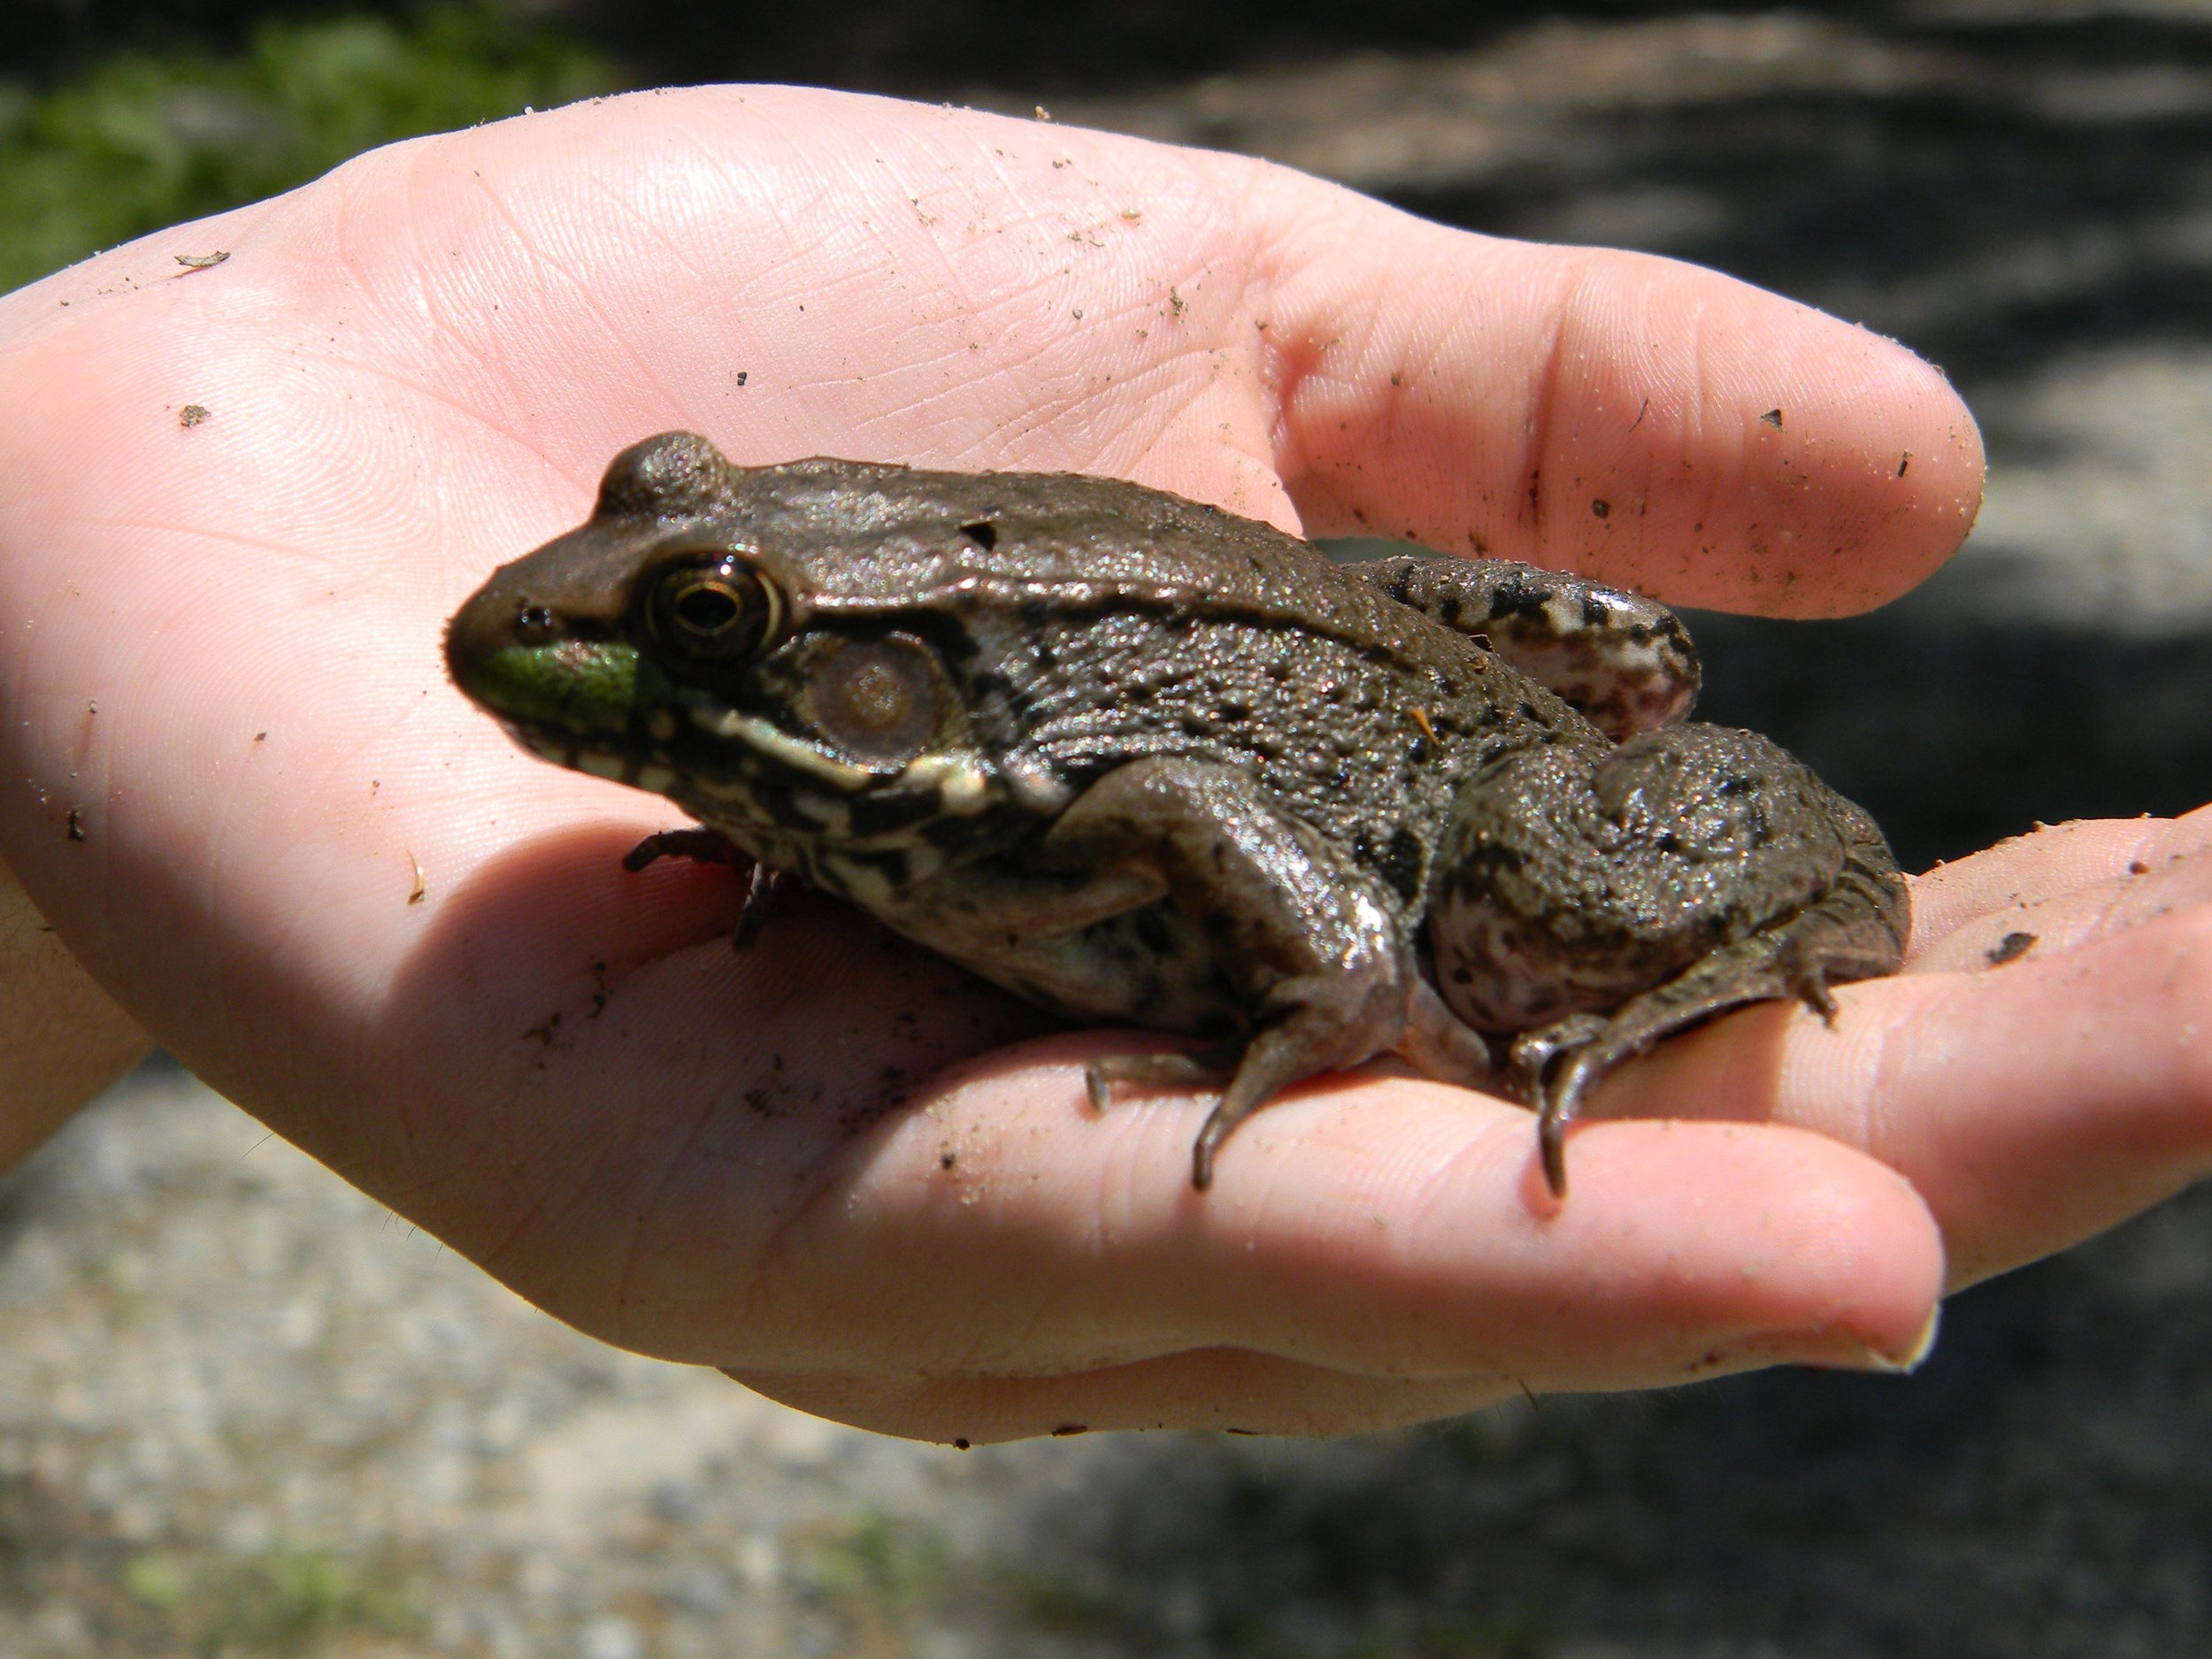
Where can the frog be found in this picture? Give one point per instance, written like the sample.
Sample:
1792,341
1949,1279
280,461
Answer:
1141,761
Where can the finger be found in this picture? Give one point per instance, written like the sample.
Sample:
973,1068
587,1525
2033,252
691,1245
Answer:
1650,422
2090,867
1386,1228
2032,1105
62,1039
1231,1390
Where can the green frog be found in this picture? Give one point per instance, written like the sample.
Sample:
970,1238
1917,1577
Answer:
1138,760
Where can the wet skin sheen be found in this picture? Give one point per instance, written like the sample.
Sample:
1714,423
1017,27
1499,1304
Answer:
1140,761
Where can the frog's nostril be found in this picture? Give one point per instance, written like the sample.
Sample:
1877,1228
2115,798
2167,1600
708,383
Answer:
534,623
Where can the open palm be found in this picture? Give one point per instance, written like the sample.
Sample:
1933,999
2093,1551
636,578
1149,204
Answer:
237,502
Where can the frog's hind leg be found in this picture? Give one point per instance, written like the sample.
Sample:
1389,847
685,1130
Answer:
1320,963
1623,660
1840,939
1599,900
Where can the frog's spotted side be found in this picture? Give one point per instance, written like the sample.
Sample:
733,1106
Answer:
1138,760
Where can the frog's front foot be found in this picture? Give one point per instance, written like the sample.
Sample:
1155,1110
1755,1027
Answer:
767,891
1598,900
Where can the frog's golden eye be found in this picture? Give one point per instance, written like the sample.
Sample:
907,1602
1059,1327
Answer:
713,610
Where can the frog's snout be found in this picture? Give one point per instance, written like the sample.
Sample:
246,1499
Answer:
531,664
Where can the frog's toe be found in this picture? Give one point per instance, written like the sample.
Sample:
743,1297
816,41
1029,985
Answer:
697,843
1554,1067
1274,1060
1271,1061
1166,1069
1810,983
768,893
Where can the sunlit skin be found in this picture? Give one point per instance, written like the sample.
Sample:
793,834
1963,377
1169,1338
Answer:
340,894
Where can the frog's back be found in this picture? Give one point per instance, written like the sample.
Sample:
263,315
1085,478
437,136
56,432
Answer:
1098,622
964,543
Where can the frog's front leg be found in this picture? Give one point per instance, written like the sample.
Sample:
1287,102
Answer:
768,892
1326,972
1597,900
1623,660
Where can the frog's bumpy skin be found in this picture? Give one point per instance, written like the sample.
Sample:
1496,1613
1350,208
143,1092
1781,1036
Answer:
1711,867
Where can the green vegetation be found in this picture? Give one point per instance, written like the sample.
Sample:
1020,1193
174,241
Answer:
279,1602
139,139
885,1572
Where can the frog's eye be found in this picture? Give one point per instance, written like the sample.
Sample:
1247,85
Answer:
713,611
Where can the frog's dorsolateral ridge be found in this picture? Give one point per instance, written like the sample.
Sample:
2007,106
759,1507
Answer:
1136,759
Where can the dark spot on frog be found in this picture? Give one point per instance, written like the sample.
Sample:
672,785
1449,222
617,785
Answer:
946,1159
1600,509
2011,948
1066,1429
880,814
76,830
2136,867
1401,862
984,535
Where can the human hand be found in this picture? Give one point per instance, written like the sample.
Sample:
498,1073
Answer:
415,369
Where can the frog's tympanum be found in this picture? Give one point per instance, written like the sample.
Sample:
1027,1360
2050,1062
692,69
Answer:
1138,760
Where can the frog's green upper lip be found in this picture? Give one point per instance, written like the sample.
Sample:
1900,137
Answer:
580,688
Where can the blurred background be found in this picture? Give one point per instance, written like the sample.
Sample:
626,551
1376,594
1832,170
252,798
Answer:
243,1411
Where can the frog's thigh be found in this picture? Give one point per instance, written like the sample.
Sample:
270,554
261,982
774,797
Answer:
1598,900
1623,660
1324,970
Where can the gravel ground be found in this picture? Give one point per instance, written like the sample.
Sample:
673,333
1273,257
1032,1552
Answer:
244,1410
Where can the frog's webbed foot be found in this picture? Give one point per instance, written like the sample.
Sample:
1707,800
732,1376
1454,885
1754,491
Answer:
1601,903
767,891
1299,933
1173,1068
1623,660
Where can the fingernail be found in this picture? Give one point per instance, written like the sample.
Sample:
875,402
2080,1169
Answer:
1872,1359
